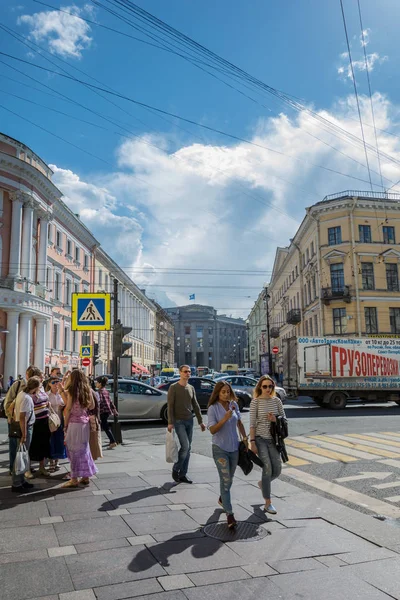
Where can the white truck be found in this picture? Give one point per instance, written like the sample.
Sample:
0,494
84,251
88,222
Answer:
334,370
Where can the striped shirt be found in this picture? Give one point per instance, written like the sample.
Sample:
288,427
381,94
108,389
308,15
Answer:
259,408
41,402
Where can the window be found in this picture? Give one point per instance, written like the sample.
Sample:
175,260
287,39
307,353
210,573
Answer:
306,328
69,248
364,234
68,292
337,277
304,260
74,340
309,291
394,316
48,277
311,327
77,253
316,325
339,321
367,273
76,288
86,262
334,236
388,235
305,295
308,255
187,329
50,232
100,277
297,271
371,320
58,239
312,249
392,277
55,335
314,286
57,286
66,339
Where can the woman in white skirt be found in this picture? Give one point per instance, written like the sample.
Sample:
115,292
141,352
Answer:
78,399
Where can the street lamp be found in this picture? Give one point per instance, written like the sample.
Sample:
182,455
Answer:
266,298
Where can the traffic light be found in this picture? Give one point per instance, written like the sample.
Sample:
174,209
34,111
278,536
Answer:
119,346
95,352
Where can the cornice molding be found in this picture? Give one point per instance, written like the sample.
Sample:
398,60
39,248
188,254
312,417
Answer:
31,175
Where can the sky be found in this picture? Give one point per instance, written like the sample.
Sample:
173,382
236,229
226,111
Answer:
183,208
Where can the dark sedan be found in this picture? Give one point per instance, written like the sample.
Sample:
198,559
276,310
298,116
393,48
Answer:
204,388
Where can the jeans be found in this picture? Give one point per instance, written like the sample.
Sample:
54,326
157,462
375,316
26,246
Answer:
272,468
13,444
18,480
226,463
184,431
105,425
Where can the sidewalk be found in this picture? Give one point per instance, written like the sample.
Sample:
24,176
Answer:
136,534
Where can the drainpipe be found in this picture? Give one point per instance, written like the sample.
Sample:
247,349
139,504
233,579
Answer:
321,305
301,285
355,275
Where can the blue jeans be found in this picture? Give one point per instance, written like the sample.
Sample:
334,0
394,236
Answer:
226,463
272,468
18,480
184,431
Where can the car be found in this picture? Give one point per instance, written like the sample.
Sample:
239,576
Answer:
247,384
136,400
204,388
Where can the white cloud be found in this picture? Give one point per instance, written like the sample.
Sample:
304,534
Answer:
65,34
223,207
373,59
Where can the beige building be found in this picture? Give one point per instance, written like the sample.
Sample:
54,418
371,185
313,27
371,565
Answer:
340,274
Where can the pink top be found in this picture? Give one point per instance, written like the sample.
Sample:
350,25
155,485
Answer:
78,414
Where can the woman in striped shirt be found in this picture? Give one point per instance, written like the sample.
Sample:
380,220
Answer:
40,445
264,408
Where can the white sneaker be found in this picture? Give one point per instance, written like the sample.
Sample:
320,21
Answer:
270,508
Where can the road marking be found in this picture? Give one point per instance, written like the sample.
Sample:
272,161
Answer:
385,486
365,475
321,442
372,447
373,504
393,498
391,433
371,438
310,457
391,463
297,462
321,451
353,446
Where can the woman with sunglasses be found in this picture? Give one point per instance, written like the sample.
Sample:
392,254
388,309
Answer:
264,408
57,445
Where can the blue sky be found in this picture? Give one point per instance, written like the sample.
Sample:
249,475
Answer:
176,196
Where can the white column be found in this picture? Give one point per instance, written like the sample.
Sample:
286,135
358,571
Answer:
11,353
17,199
24,343
42,256
40,342
27,227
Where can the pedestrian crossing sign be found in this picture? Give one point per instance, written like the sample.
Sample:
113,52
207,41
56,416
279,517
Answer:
91,312
86,352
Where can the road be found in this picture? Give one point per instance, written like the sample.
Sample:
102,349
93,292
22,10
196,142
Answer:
326,451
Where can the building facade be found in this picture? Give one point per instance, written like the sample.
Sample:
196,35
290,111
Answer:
205,339
164,339
256,323
340,274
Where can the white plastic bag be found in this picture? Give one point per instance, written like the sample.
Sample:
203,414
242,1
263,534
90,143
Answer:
171,447
21,464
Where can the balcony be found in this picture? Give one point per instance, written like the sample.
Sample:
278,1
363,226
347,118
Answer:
274,332
328,295
294,316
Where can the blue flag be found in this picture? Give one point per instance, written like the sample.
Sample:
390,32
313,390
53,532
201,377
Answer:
192,296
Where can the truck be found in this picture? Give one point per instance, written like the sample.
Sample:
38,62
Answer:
336,370
228,369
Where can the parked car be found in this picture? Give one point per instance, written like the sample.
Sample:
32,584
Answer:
247,384
204,388
136,400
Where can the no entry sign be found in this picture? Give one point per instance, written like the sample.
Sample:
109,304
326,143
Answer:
275,350
86,362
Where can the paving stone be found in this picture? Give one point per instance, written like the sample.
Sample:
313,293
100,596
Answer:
259,588
184,535
100,492
178,507
280,546
85,515
75,506
383,574
175,582
35,579
21,538
49,520
295,565
189,496
79,595
180,555
373,553
54,597
118,512
23,556
120,565
137,499
61,551
218,576
138,540
118,482
18,523
213,514
330,561
259,570
133,589
335,584
79,532
103,545
174,595
139,510
160,523
24,510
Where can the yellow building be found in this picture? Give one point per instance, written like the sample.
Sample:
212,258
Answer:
339,275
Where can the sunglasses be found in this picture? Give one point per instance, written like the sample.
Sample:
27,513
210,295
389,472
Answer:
185,371
267,387
54,381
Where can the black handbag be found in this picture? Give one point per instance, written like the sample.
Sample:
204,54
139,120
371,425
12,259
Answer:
14,430
244,462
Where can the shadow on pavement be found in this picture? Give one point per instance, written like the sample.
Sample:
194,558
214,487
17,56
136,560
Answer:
167,488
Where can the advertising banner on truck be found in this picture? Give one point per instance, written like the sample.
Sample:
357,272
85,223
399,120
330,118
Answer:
357,363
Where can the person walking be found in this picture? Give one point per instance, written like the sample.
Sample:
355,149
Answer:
40,445
107,409
57,445
264,408
24,413
224,422
95,445
182,402
77,395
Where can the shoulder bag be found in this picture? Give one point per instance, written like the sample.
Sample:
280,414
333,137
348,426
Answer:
54,419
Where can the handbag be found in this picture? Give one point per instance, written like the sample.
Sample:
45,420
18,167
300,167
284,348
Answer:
21,463
171,447
244,462
14,430
54,420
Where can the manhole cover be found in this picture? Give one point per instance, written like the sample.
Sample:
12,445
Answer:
244,532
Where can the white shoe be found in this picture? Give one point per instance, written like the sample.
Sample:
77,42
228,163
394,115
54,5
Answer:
270,509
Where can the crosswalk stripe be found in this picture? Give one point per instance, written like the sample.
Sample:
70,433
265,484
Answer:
354,446
385,486
310,457
373,504
383,449
321,451
391,434
391,463
393,498
296,462
319,440
372,438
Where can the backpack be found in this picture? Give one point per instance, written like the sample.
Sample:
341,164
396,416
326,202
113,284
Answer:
9,399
